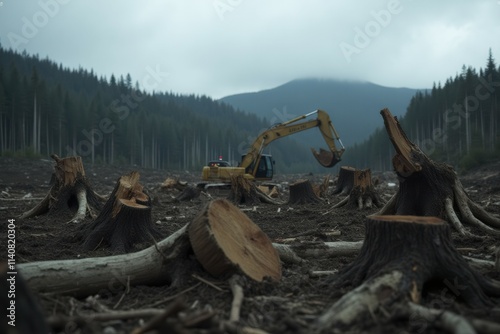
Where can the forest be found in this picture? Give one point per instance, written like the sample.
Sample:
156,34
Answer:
47,108
457,122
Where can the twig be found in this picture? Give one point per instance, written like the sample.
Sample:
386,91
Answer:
237,298
207,283
175,307
155,304
127,290
60,321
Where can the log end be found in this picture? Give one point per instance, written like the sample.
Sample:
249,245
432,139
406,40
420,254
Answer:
224,240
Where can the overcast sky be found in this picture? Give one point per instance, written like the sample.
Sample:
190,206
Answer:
223,47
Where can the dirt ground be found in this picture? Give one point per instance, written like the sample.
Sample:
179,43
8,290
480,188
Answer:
289,306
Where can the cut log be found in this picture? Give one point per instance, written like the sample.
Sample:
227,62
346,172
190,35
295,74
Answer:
425,257
428,188
125,219
70,193
225,240
362,194
301,192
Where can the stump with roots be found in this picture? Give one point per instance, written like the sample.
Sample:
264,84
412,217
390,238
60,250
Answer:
302,192
321,190
362,193
428,188
400,257
125,219
244,191
225,240
70,191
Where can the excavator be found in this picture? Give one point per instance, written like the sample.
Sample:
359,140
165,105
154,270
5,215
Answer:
260,167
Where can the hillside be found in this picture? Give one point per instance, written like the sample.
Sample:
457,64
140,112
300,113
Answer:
353,106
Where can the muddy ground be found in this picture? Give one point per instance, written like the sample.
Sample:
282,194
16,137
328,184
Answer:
289,306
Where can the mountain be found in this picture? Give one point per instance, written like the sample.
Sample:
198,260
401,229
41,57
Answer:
353,106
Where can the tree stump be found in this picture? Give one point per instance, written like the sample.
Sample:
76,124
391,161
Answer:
362,194
225,240
345,181
321,190
70,192
188,193
243,191
125,219
400,257
302,192
428,188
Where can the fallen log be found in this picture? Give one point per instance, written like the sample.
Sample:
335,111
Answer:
70,192
109,275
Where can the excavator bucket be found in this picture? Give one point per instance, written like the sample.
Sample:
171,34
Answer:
325,158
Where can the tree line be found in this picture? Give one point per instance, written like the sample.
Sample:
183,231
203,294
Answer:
46,108
457,123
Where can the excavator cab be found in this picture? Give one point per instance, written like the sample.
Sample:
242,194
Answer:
265,170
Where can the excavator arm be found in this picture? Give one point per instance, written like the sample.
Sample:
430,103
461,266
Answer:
327,158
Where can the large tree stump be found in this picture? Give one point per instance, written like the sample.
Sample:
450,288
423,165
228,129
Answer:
243,191
125,218
302,192
428,188
345,181
70,192
362,193
225,240
401,256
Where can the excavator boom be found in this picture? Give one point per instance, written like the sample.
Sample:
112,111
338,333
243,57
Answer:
326,158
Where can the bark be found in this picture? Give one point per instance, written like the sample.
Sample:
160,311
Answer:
225,240
70,193
301,192
125,219
428,188
243,191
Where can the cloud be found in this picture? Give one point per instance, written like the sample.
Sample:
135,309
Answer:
222,47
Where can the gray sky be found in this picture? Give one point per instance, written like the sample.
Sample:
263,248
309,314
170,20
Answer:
223,47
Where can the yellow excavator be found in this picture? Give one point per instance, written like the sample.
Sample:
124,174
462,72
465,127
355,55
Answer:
258,166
